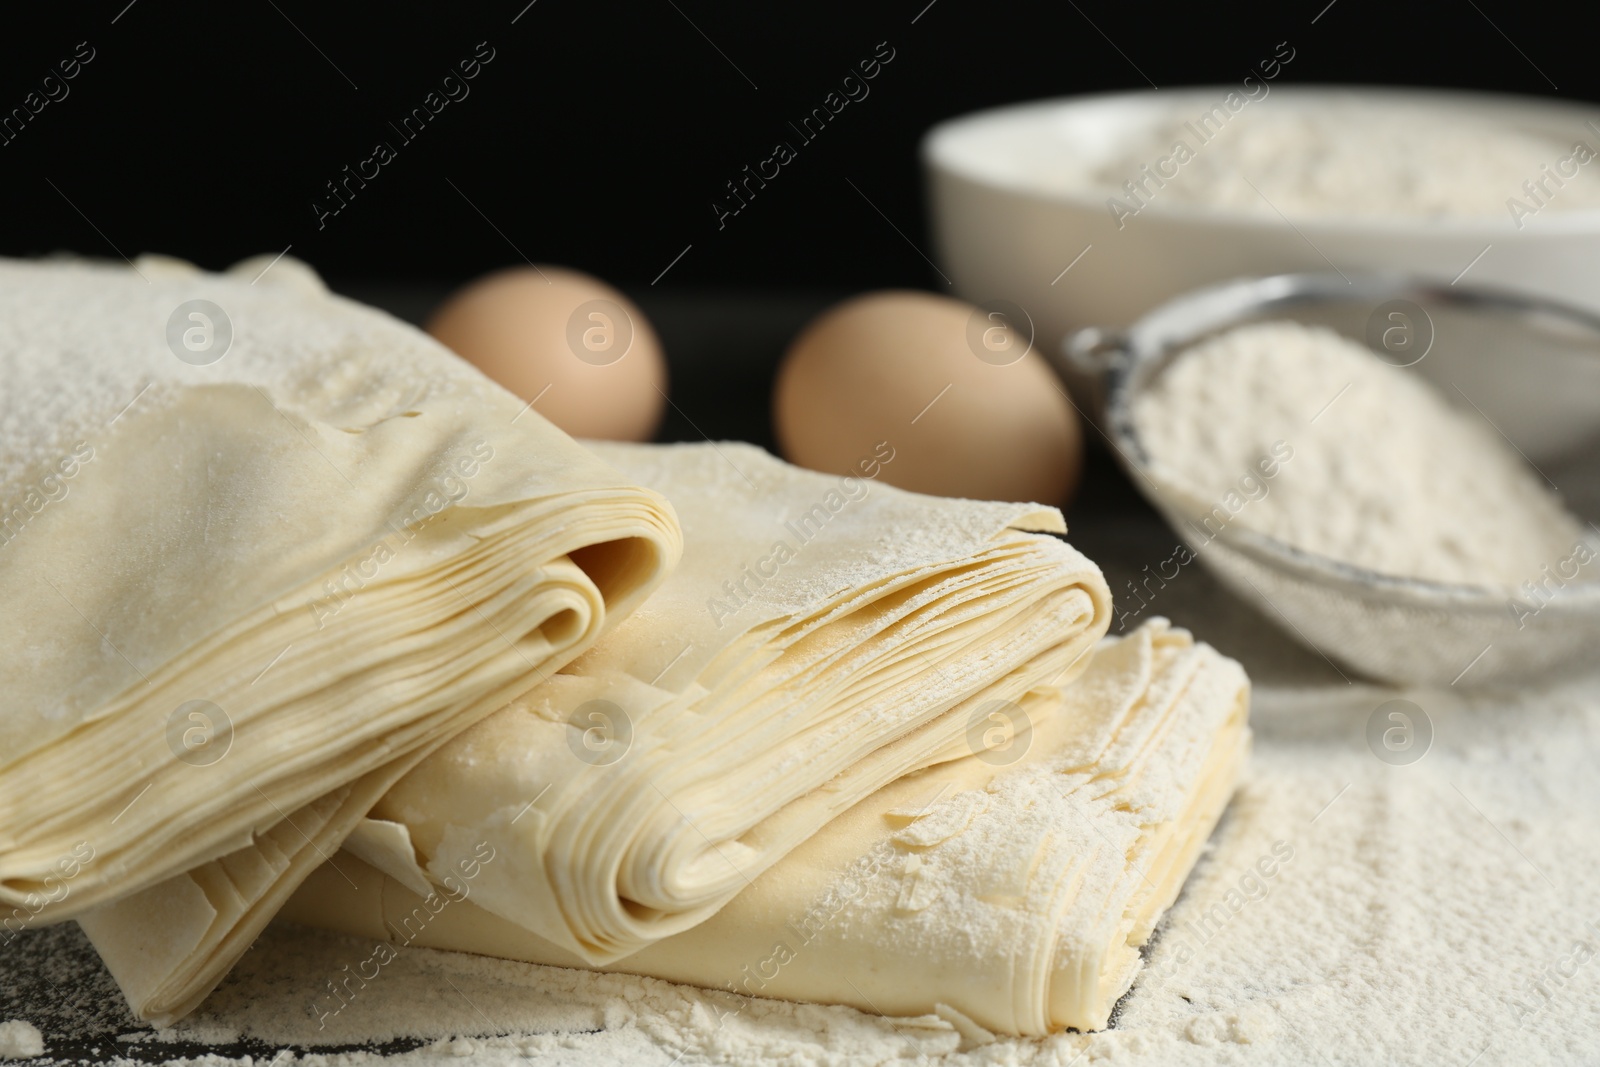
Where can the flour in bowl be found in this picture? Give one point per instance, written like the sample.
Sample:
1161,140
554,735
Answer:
1353,158
1305,436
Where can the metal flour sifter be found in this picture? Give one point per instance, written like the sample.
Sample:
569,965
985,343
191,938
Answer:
1533,367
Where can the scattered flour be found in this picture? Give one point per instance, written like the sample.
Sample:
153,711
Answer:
1359,158
20,1040
1369,465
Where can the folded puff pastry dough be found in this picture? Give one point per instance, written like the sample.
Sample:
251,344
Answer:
822,637
1014,897
243,597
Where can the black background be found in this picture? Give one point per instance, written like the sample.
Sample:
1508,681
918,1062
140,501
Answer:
600,133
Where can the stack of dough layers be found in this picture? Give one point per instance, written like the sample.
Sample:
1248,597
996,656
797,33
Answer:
1007,897
263,550
822,637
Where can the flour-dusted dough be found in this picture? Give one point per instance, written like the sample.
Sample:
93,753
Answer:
822,637
1014,897
243,597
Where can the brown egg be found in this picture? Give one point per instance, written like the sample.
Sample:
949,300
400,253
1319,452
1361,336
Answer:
964,402
577,348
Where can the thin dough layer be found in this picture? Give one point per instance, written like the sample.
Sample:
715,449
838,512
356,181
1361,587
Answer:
245,595
1011,896
821,638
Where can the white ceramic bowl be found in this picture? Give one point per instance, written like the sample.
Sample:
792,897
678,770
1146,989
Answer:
1000,234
